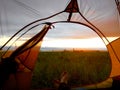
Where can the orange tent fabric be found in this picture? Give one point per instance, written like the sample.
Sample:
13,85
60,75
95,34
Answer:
26,56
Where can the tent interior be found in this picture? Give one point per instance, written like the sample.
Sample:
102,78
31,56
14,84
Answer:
26,25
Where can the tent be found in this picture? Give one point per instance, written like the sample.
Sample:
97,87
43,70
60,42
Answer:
18,17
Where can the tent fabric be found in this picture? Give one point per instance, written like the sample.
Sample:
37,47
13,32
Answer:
101,15
115,57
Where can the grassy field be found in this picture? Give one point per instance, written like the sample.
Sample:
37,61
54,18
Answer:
84,67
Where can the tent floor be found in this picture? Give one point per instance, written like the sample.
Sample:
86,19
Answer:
76,89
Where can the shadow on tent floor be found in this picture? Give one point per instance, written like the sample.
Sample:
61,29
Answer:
92,89
101,89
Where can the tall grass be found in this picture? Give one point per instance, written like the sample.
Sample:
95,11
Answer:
84,67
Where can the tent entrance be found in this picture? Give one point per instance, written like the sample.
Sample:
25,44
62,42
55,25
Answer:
62,52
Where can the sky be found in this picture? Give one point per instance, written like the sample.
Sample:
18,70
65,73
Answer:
69,36
74,44
72,36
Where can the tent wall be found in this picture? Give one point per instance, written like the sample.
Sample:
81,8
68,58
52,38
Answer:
115,57
104,14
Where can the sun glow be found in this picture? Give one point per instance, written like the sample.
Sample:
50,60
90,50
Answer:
74,43
89,43
5,39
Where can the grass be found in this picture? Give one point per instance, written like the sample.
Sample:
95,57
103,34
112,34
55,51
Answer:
84,67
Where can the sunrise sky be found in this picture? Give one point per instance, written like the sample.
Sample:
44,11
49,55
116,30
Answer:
71,36
81,44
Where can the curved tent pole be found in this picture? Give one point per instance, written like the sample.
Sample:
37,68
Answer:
95,30
73,7
27,26
86,26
